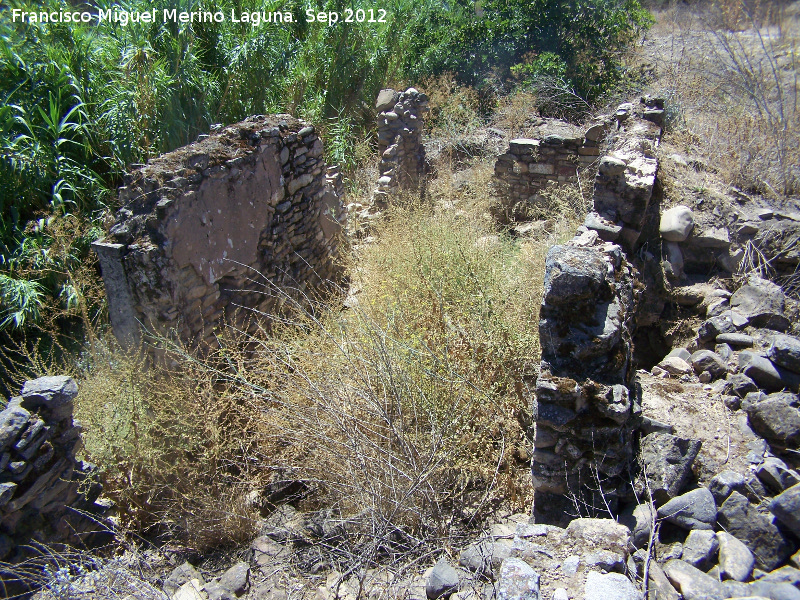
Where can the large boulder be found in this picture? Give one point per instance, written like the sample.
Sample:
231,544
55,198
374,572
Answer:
785,352
442,580
735,559
762,303
667,462
692,583
756,530
786,507
708,361
676,223
777,418
692,510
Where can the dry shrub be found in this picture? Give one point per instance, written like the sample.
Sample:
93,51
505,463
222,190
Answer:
405,416
454,109
730,78
178,452
516,113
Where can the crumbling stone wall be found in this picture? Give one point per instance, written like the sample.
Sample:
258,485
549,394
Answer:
42,485
588,405
626,175
400,122
530,165
220,224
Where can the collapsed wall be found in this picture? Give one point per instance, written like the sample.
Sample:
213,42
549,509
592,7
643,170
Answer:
222,224
400,123
45,491
587,404
530,165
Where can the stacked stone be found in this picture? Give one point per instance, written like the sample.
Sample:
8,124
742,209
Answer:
586,402
230,223
625,177
42,484
530,165
400,122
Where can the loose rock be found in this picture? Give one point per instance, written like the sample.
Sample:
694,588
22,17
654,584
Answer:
735,559
693,510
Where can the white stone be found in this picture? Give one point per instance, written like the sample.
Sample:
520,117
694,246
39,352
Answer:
676,223
191,590
611,586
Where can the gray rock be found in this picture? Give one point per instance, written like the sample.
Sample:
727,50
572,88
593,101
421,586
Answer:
386,99
681,353
605,559
756,530
236,579
692,583
769,376
786,508
216,592
668,460
706,360
644,516
724,351
517,581
442,581
713,237
775,475
12,421
676,223
484,557
692,510
762,303
739,340
741,384
735,559
560,594
670,551
777,418
785,574
179,576
774,591
715,326
54,394
675,366
611,586
607,230
785,351
570,565
700,549
7,491
573,276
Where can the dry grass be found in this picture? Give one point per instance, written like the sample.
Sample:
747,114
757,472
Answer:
405,416
729,74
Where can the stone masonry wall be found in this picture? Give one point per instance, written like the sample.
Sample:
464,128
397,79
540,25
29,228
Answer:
42,484
400,122
530,165
588,404
219,224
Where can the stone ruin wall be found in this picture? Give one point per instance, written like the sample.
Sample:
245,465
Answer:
219,224
400,124
530,165
44,490
588,404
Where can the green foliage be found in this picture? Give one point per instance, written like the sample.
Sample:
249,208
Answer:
588,36
81,102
